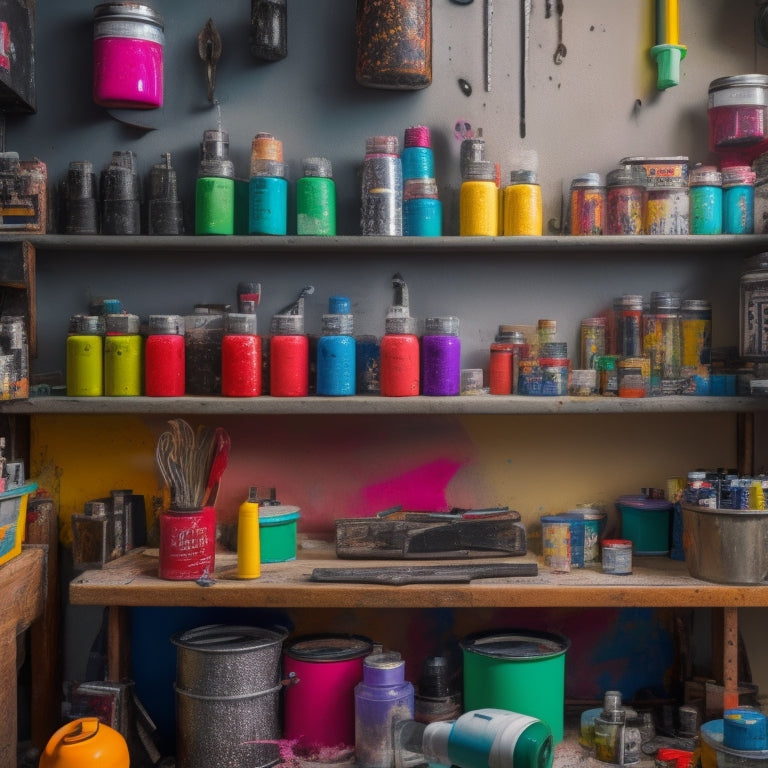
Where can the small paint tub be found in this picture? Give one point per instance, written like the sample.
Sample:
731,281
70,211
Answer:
277,533
646,523
517,670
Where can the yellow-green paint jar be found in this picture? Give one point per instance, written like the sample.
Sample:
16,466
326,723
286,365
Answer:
123,356
85,356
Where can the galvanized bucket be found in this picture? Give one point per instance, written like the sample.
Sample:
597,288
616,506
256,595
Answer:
227,696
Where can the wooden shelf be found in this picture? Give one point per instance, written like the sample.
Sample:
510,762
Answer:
144,245
386,406
656,582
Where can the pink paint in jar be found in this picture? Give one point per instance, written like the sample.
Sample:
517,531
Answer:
128,43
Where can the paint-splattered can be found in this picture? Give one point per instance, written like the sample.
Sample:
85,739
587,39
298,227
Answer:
617,557
625,201
556,543
187,544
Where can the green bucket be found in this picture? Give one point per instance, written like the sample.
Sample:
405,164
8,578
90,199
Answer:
278,526
518,670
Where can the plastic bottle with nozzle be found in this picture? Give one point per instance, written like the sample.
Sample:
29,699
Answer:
400,349
289,350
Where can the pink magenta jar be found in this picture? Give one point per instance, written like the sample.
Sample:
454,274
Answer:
127,56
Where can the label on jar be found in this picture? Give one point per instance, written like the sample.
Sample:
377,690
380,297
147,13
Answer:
617,556
754,318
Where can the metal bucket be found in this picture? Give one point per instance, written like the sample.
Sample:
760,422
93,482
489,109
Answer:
227,696
727,546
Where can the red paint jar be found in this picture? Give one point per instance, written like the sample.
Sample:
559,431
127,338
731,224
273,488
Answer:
507,350
187,544
240,357
400,352
288,357
164,359
128,41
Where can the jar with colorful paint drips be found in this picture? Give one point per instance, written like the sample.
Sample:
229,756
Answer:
587,205
289,350
706,200
738,200
422,209
400,349
123,356
523,214
628,310
316,198
608,379
215,186
441,357
634,377
85,356
667,210
394,44
696,346
381,208
241,349
478,194
661,342
128,40
592,337
625,199
336,350
367,364
164,360
267,188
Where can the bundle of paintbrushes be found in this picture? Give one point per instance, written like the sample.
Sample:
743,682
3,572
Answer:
191,463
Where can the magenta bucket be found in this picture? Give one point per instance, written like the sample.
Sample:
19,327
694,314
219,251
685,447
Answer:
128,40
323,671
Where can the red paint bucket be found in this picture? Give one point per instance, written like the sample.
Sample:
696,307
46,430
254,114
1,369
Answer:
187,544
320,699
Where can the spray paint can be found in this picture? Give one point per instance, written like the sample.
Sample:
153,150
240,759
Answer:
316,198
215,186
123,356
164,361
399,346
248,546
120,195
267,188
289,350
441,357
85,356
381,208
336,350
382,699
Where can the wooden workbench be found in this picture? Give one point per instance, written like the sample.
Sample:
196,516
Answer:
22,601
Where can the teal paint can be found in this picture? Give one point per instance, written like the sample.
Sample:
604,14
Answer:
278,528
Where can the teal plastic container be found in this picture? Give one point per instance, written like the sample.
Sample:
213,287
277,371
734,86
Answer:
646,523
517,670
277,533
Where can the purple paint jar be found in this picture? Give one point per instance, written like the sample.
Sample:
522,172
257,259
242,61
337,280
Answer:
441,357
128,43
382,698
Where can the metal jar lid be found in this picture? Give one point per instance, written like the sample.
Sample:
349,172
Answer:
132,20
123,324
240,323
166,325
743,90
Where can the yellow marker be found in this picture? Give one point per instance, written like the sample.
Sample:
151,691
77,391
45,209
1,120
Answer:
248,546
667,53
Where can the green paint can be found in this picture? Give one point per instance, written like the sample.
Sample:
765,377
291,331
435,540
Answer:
278,525
517,670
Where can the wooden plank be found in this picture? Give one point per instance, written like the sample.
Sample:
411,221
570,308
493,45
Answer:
45,683
22,589
655,582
